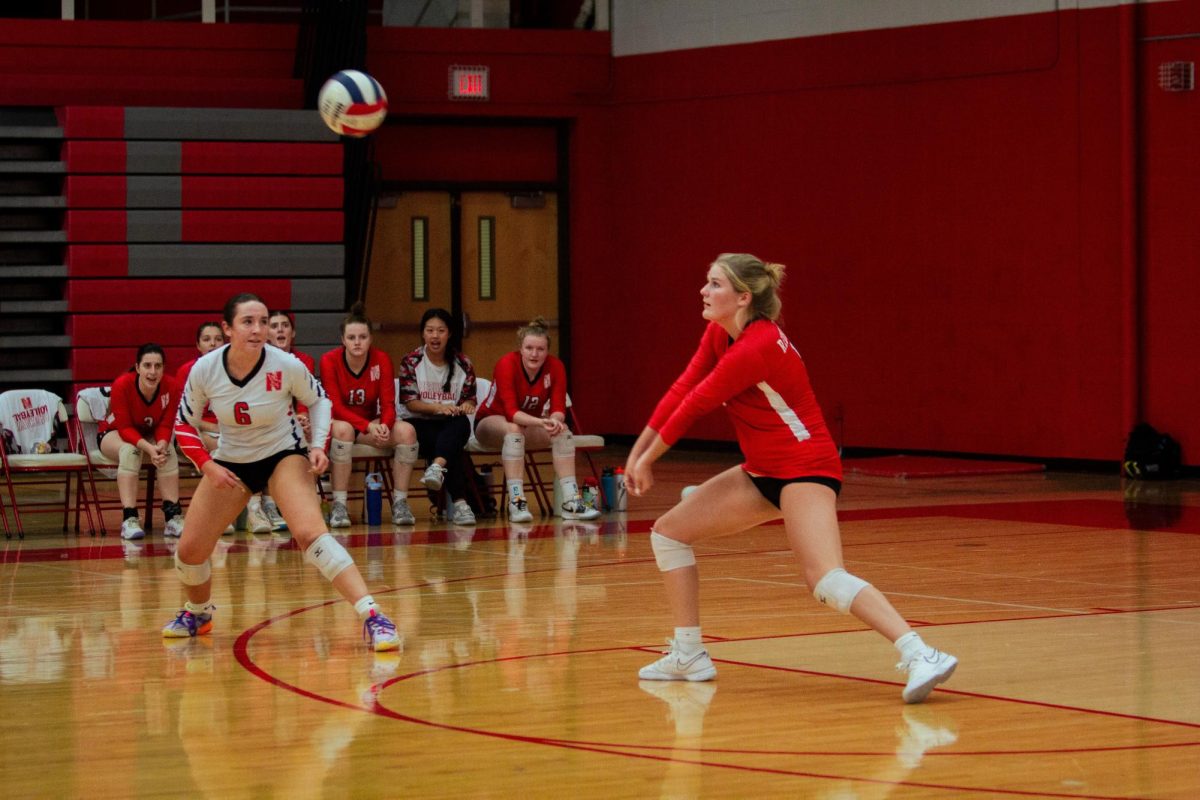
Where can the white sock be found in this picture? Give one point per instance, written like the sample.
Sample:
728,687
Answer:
910,646
515,488
200,608
398,495
364,606
687,640
568,486
340,497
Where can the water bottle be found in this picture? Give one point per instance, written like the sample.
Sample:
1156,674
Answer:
374,498
591,493
621,500
608,483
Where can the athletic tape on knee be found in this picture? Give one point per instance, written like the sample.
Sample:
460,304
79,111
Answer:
328,556
671,554
405,453
339,451
193,574
563,445
172,466
129,459
838,589
513,448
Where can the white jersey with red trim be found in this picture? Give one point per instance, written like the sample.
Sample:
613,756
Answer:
254,415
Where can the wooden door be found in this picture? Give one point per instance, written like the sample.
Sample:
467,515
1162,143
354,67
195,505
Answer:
507,271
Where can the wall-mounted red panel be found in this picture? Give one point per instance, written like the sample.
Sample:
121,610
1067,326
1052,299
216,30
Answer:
262,226
97,260
261,158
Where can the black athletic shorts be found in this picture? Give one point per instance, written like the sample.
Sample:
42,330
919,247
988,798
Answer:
255,474
772,488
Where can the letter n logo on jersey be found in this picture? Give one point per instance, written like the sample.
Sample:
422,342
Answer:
375,373
27,403
275,381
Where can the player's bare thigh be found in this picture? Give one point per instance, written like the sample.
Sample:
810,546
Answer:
211,510
726,503
293,489
490,432
810,520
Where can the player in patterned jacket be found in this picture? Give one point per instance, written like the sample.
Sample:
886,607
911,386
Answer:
141,413
792,470
251,386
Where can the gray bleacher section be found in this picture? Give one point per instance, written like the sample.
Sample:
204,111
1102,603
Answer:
232,124
235,260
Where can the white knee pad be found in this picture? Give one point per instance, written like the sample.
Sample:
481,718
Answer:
193,574
563,445
838,589
129,459
671,554
405,454
172,466
328,555
513,448
339,451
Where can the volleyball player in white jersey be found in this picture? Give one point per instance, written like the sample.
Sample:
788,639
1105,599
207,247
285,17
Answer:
250,386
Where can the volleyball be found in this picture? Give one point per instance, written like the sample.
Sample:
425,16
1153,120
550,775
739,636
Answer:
352,103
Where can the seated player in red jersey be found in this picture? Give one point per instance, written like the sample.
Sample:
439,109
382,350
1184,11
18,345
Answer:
262,514
527,404
360,380
746,363
141,415
208,338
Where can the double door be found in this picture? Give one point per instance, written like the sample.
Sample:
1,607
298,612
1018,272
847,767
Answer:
490,258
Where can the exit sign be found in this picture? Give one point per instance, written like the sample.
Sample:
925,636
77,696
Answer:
468,83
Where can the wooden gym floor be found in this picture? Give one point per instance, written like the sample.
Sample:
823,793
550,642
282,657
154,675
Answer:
1072,602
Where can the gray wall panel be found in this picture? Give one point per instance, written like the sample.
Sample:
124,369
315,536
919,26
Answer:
153,226
318,295
237,124
153,157
165,191
236,260
317,332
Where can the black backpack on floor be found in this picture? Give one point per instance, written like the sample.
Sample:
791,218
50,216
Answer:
1151,455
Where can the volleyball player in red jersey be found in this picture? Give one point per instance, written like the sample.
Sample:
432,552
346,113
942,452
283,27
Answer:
528,403
261,511
361,383
792,470
141,415
208,338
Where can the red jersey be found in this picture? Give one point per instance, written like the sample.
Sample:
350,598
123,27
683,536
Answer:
181,376
360,397
761,380
136,417
514,390
311,366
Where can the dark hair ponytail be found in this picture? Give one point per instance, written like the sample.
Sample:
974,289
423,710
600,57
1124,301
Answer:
147,349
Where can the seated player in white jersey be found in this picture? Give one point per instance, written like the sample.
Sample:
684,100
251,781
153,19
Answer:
527,405
250,386
437,393
141,415
792,470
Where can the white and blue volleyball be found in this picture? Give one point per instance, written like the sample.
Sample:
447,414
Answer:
352,103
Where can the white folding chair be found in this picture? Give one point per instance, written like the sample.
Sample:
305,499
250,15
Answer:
30,419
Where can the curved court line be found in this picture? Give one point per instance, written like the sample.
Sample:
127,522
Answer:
241,651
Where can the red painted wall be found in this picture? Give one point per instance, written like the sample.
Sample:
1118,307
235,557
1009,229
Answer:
950,202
